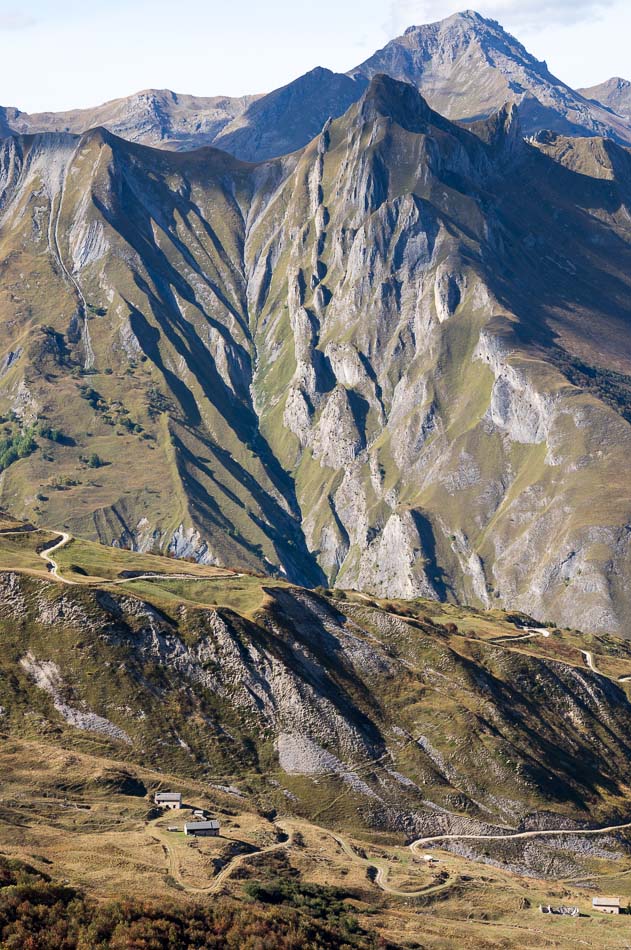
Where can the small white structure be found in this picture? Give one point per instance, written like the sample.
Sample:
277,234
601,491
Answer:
202,829
606,905
170,800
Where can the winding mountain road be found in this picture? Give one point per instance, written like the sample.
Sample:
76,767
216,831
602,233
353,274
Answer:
550,833
381,875
46,552
53,567
380,879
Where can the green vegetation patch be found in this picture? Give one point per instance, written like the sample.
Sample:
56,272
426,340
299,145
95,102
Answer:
325,903
243,594
16,443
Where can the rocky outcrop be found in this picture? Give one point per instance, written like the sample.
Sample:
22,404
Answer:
413,729
47,677
378,362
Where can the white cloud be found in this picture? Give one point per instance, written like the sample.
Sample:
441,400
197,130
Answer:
519,14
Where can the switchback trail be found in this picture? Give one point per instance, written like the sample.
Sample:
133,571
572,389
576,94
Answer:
288,827
380,878
53,567
158,834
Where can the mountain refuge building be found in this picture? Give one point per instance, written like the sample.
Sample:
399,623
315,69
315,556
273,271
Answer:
606,905
202,829
169,800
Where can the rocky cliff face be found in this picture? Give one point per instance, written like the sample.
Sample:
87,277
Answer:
397,360
468,66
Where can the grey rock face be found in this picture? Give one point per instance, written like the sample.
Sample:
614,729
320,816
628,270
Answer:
153,117
467,66
380,362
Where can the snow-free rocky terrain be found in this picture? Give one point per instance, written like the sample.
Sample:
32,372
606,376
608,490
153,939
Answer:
395,360
466,67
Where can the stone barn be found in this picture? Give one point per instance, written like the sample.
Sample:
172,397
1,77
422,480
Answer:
170,800
606,905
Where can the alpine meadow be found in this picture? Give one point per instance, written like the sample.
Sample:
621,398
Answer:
315,527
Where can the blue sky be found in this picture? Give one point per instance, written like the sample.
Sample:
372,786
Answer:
60,54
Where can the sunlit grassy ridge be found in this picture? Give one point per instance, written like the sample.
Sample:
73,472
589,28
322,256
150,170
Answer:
111,563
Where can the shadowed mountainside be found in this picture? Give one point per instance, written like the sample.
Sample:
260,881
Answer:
398,359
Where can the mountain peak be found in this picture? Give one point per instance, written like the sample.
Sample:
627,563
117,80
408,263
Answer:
469,16
464,16
467,67
396,100
613,94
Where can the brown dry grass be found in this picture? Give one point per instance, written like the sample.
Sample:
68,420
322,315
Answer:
112,849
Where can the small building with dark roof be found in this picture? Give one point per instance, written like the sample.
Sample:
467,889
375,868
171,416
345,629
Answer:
202,829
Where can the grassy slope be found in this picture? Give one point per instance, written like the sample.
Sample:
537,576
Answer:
86,820
104,843
419,637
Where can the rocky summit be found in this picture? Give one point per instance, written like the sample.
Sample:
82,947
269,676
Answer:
466,67
396,360
614,94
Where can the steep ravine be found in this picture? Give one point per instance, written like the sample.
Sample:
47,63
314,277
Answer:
353,365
